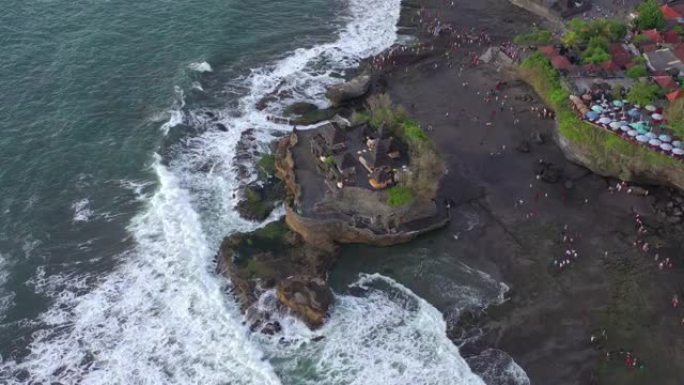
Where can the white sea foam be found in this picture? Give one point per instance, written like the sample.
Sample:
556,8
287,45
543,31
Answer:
200,67
387,336
82,210
6,295
162,317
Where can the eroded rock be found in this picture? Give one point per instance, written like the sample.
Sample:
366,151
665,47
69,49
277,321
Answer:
308,298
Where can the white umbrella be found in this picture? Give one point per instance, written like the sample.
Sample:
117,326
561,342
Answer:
665,138
614,125
657,117
655,142
650,108
651,135
666,146
642,138
677,143
632,133
678,151
625,128
605,120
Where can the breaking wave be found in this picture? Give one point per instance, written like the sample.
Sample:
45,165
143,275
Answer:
162,317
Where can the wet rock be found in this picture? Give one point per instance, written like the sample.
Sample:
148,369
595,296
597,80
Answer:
272,328
259,200
568,184
537,138
308,298
523,147
548,172
300,108
674,219
221,127
345,92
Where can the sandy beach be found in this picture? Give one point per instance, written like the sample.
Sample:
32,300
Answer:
581,257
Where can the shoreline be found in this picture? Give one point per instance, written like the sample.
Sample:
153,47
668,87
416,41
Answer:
546,324
529,198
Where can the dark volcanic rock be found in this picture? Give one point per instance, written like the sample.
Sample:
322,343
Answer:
300,108
270,257
523,147
547,172
353,89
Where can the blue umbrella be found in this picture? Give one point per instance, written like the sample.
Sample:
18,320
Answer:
634,113
597,108
591,115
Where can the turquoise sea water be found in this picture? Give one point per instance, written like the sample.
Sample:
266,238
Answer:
116,186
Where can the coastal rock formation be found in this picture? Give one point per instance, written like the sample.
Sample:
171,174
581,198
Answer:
627,167
271,258
353,89
308,298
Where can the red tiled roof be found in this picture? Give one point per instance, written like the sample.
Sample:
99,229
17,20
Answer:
649,47
591,68
672,96
653,35
666,82
678,50
670,13
610,66
547,50
620,55
671,37
561,62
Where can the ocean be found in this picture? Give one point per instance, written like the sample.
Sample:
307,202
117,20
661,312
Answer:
119,124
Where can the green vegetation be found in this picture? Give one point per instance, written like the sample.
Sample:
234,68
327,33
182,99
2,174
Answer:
413,131
266,166
597,50
679,29
399,196
675,114
425,165
649,16
329,161
580,32
536,36
608,152
644,93
638,39
637,71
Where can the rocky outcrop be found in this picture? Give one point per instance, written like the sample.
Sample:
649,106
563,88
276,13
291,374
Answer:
269,258
339,94
308,298
630,167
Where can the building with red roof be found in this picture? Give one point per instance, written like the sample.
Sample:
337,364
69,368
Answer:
561,63
670,13
547,51
672,96
621,56
666,82
653,35
610,66
671,37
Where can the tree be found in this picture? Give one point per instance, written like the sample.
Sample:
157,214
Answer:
649,16
637,71
644,93
597,50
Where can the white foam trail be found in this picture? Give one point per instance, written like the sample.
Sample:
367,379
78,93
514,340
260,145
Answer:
200,67
82,210
162,318
389,336
6,295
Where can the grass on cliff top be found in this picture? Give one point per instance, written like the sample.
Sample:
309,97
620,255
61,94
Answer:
266,166
605,147
425,165
399,196
536,36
